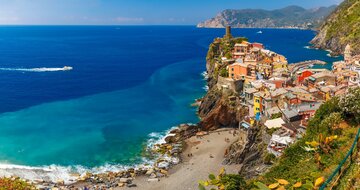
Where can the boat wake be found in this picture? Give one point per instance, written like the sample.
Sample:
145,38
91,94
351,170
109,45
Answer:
40,69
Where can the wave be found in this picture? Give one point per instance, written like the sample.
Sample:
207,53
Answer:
56,173
40,69
71,174
206,88
205,75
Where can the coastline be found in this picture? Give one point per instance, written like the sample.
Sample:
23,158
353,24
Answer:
65,176
138,173
207,153
285,28
207,156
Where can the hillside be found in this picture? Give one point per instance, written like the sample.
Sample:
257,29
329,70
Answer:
342,27
288,17
328,139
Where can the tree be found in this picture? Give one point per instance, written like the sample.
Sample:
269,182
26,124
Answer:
350,105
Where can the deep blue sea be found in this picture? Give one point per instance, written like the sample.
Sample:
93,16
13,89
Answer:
128,85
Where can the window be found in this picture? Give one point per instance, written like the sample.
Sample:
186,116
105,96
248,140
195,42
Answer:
232,69
232,74
257,109
257,101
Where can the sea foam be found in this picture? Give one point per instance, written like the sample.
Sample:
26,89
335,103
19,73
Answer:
55,173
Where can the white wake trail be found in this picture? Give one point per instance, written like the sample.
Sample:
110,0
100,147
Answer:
40,69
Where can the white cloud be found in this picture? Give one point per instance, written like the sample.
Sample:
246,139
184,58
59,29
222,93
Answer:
129,19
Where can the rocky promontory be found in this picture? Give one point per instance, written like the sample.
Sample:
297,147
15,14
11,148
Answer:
288,17
340,28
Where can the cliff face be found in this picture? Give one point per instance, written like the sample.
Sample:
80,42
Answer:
250,151
292,16
342,27
220,110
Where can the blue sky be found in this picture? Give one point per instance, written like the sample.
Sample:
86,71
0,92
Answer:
131,12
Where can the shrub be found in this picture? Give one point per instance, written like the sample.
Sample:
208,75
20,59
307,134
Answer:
350,105
14,184
224,72
269,158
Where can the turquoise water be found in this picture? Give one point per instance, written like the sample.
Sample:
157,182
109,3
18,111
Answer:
104,128
128,86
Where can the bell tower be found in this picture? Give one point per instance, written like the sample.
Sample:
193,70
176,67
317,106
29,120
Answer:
228,32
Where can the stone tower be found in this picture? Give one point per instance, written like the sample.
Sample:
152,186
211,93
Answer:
228,32
347,54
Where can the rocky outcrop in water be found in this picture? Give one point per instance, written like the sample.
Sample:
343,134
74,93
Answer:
341,28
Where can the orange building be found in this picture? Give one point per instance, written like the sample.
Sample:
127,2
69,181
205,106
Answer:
238,71
240,50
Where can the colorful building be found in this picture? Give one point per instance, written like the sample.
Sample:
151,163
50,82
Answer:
238,71
257,103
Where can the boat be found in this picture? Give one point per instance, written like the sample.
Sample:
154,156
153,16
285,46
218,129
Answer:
260,32
67,68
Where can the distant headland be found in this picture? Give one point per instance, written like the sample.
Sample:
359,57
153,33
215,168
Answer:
288,17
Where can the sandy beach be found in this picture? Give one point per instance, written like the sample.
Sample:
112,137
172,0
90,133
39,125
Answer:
207,156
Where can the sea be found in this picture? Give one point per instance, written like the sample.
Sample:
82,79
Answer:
127,87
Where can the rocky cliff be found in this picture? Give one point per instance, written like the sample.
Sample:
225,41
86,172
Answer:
219,108
342,27
288,17
250,151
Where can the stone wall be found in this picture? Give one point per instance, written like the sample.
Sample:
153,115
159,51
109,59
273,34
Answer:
235,86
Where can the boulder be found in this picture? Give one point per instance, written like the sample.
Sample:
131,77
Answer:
159,175
125,180
175,160
174,131
149,172
153,180
60,182
170,139
152,176
163,165
131,185
183,127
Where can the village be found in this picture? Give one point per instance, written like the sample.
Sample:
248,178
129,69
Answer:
281,96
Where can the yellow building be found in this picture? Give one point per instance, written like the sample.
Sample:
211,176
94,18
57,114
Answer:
279,62
257,103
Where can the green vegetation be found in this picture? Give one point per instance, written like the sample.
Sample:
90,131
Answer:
276,115
343,25
312,159
14,184
224,72
224,181
269,158
323,147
